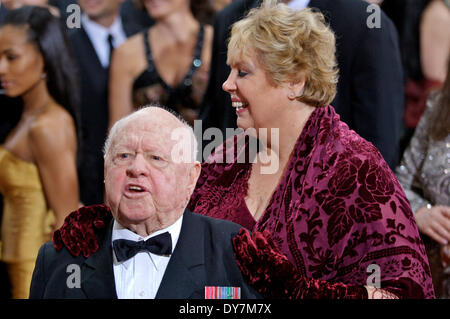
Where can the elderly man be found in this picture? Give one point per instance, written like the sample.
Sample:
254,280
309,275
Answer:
152,247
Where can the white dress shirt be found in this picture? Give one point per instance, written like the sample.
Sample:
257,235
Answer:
98,35
139,277
298,4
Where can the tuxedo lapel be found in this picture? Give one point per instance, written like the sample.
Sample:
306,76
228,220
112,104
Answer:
97,276
185,275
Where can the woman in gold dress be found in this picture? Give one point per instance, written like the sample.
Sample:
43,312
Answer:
38,178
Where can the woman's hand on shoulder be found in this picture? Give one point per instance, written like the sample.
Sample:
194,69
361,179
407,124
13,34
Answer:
434,222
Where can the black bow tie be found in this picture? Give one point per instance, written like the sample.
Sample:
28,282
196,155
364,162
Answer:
126,249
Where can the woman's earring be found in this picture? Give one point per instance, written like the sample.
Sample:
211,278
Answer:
291,96
44,76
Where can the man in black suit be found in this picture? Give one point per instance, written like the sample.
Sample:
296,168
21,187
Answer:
370,89
153,247
102,29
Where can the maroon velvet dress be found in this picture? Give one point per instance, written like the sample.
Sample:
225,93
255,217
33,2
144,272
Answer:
338,209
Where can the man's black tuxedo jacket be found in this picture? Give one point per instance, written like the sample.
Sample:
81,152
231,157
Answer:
94,113
370,96
202,257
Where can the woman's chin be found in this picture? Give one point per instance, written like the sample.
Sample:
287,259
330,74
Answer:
243,123
10,93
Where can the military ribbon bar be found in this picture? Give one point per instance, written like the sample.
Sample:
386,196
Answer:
217,292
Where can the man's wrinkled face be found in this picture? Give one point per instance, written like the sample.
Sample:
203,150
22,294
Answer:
143,182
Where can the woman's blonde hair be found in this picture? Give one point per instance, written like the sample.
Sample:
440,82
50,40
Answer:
289,45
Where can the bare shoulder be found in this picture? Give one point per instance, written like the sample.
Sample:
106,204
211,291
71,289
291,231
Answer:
437,13
54,116
54,125
130,55
131,45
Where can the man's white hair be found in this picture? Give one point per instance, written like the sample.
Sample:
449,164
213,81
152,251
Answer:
117,127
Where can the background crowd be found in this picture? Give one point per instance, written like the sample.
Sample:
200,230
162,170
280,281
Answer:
393,90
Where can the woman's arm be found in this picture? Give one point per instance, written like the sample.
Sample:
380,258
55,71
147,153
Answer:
435,40
121,77
53,143
410,169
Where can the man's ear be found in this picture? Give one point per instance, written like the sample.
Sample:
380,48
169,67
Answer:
194,174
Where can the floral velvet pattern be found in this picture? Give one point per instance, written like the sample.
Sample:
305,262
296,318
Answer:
269,271
337,210
78,231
